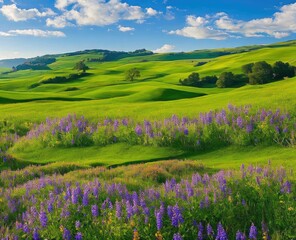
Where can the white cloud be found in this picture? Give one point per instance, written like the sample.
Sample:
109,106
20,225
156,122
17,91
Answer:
125,29
221,26
197,28
13,13
97,13
58,22
151,12
165,49
32,32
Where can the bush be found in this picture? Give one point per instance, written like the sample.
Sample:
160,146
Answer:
282,70
191,80
261,73
225,80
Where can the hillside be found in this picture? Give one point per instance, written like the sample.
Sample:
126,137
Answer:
89,153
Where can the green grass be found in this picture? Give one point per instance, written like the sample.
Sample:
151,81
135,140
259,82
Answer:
157,94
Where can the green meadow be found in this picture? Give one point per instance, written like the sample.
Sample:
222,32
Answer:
92,155
104,92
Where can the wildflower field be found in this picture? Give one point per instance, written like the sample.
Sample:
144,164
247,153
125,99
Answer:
102,158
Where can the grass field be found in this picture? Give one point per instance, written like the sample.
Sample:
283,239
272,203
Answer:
156,94
69,168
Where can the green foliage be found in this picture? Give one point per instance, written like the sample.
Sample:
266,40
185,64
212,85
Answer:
191,80
282,70
209,79
81,66
261,73
39,63
247,68
131,74
225,80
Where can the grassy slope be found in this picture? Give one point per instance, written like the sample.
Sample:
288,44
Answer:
105,93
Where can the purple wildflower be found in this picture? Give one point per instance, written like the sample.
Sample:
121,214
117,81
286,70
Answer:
177,236
95,210
200,231
77,224
118,209
210,231
36,234
253,232
221,234
43,218
78,236
240,236
67,234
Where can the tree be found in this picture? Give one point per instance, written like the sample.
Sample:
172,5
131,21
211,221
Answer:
225,80
281,70
131,74
80,66
261,73
209,79
191,80
247,68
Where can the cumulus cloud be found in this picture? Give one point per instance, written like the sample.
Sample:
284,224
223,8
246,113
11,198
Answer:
32,32
125,29
13,13
97,13
198,28
165,49
151,12
221,26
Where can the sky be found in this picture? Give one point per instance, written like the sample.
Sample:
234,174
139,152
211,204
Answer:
30,28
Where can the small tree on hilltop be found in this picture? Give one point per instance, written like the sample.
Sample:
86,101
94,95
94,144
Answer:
81,66
131,74
225,80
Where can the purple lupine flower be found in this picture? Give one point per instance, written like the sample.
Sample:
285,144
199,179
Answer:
67,234
95,210
50,207
200,231
36,235
78,236
26,228
186,131
177,217
129,209
77,224
177,236
85,198
221,234
239,122
240,236
249,128
118,209
43,218
138,130
253,232
286,187
159,216
210,231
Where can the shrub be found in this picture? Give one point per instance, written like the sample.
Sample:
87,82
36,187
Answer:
261,73
191,80
225,80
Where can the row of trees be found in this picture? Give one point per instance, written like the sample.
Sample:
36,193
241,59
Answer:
253,73
262,72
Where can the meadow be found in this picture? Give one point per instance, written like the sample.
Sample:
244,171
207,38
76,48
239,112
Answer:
99,157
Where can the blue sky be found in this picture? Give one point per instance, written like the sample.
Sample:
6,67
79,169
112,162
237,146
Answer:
36,27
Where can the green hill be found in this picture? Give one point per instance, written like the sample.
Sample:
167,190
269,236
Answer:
157,94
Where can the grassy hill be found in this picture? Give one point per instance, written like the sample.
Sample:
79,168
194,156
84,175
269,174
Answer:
155,95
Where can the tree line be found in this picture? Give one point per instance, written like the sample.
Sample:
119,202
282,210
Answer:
253,73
